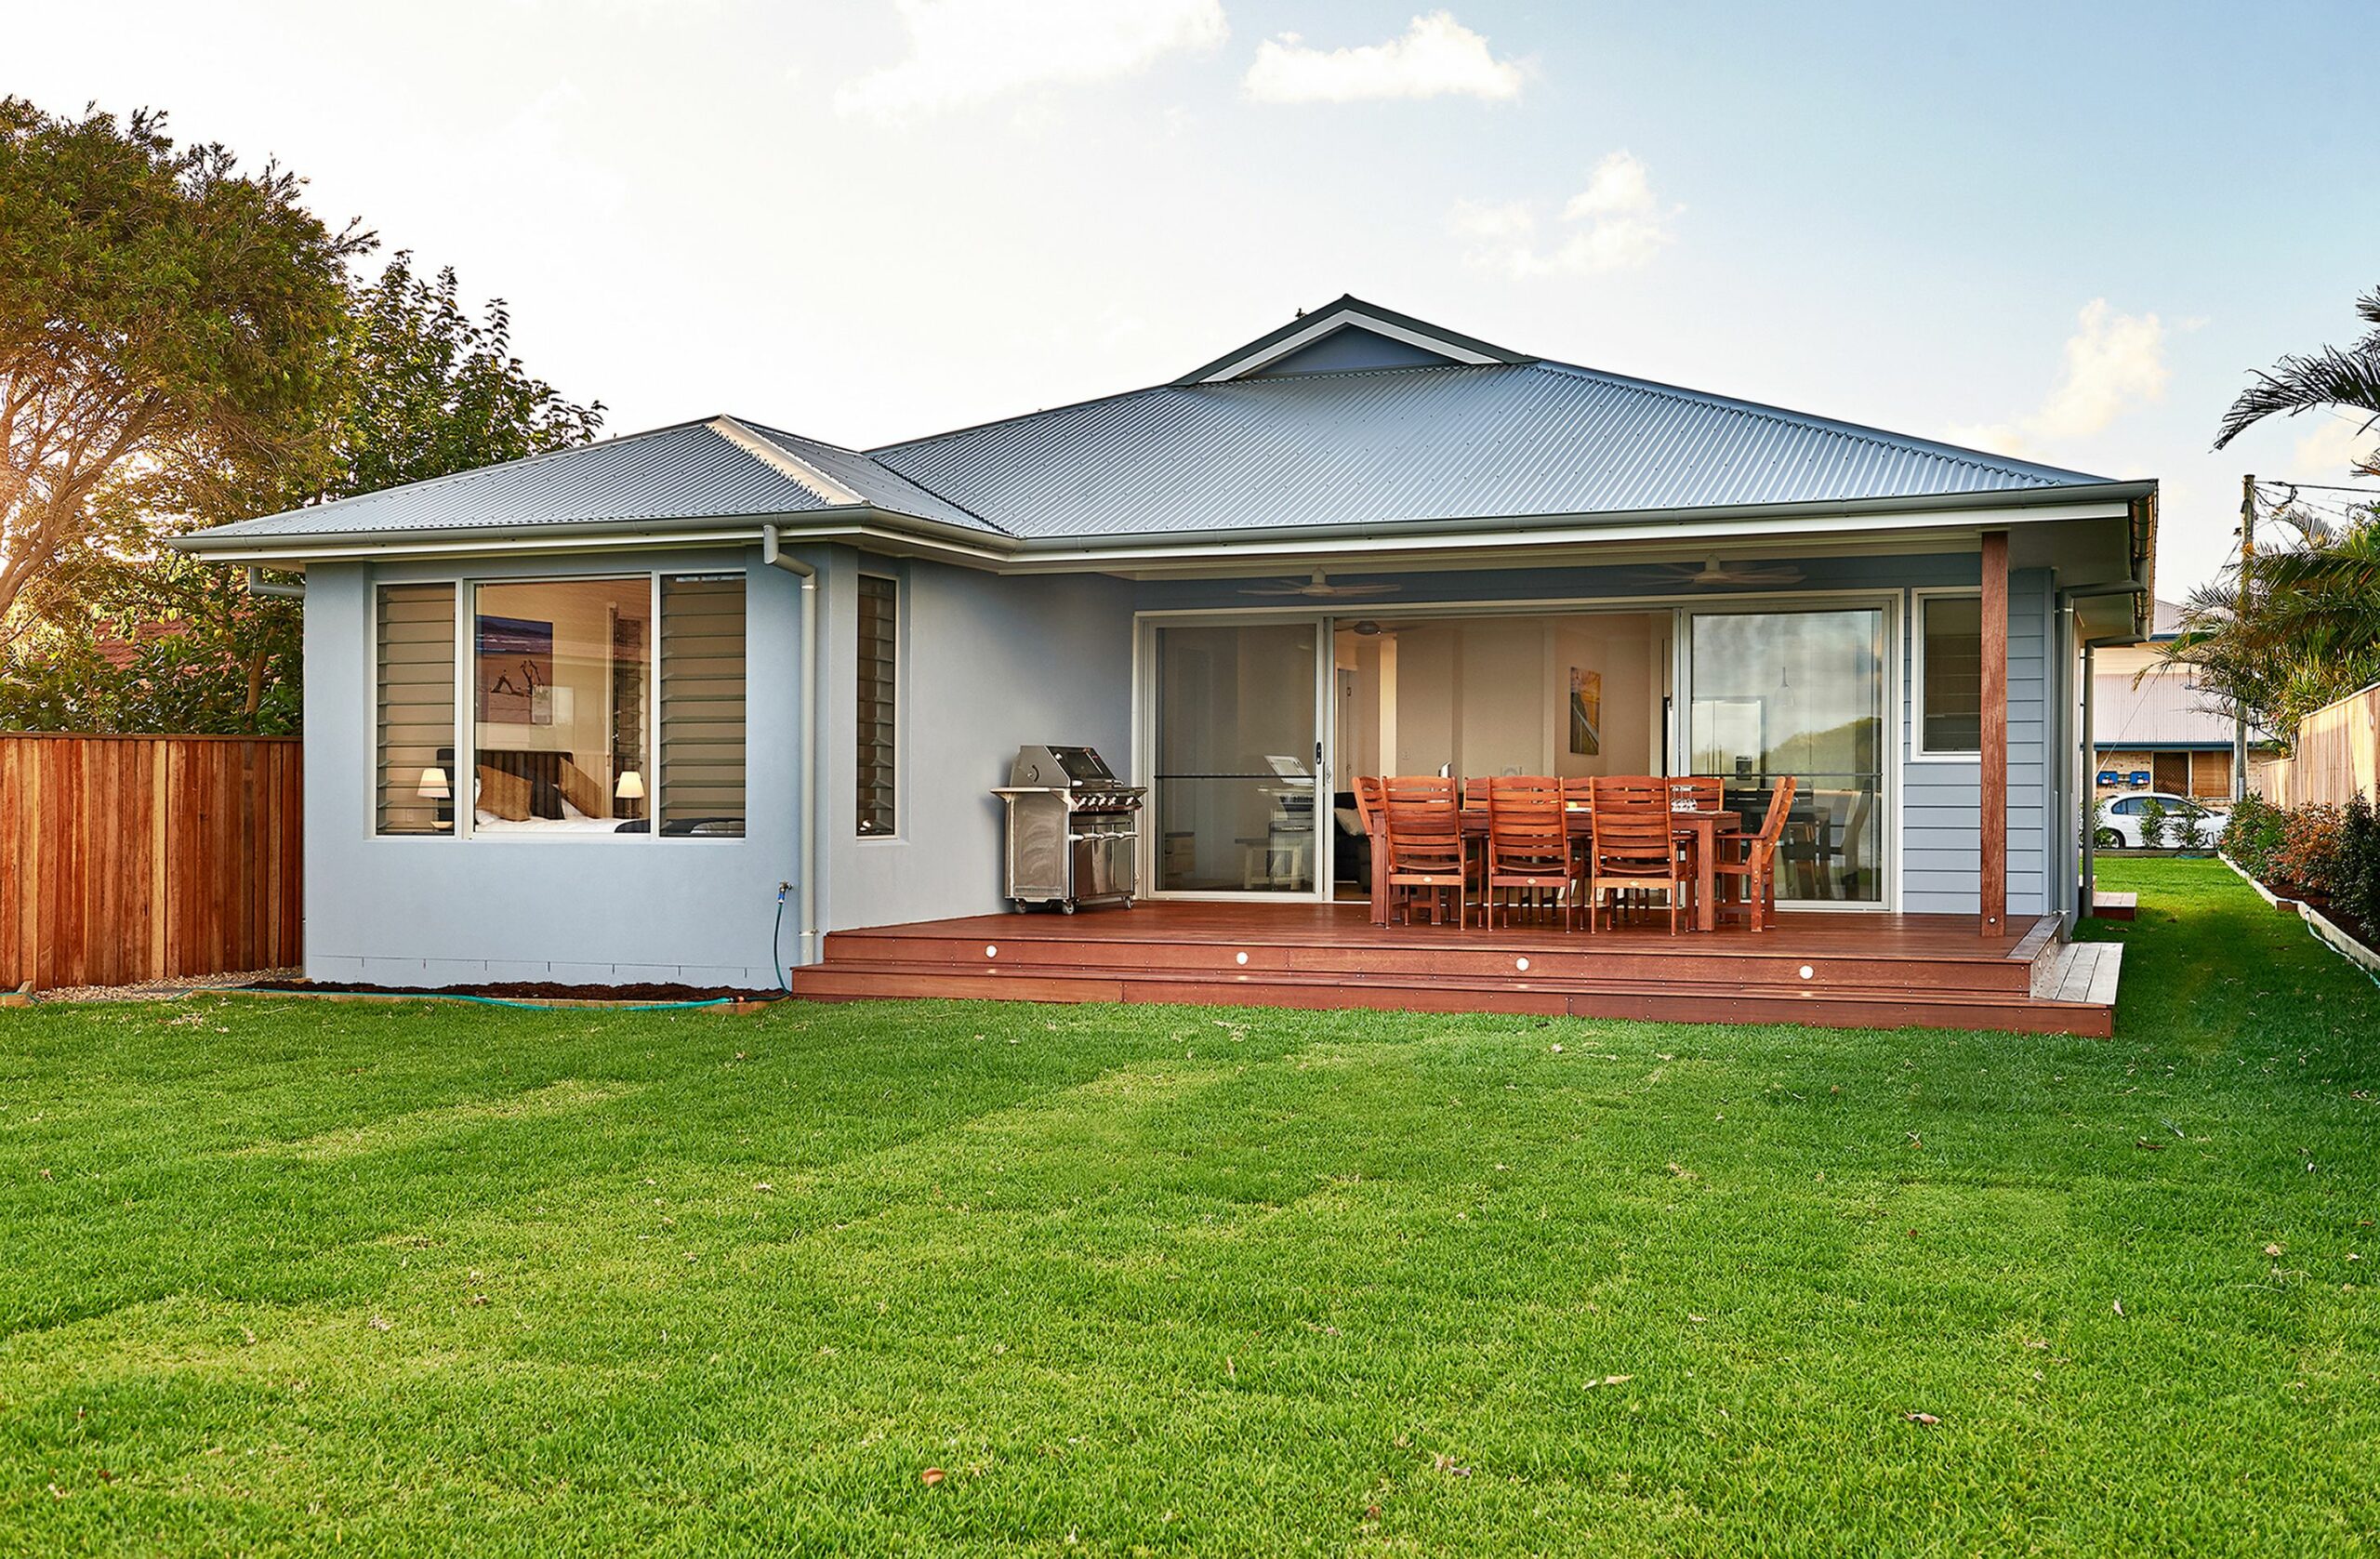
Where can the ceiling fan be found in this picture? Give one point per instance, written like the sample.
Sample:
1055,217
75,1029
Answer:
1318,587
1714,573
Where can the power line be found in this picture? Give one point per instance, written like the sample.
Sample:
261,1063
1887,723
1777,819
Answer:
2321,487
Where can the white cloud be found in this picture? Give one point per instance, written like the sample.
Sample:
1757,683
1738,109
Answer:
2113,363
2338,446
1616,223
963,52
1437,57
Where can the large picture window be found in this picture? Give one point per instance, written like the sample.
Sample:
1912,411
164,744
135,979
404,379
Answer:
559,678
879,684
1949,677
562,707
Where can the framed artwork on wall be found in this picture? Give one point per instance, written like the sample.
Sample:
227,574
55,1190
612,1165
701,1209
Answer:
1586,712
516,670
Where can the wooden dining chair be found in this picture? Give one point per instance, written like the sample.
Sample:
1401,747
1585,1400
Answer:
1756,870
1635,846
1426,854
1528,846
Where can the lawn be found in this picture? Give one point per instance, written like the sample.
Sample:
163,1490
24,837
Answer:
313,1277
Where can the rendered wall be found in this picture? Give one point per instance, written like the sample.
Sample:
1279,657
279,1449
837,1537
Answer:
616,909
986,665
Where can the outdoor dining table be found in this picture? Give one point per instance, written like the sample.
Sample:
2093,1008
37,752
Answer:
1705,825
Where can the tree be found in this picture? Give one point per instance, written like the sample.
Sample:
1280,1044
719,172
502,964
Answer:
168,643
435,391
136,638
2305,629
2348,377
170,335
2308,632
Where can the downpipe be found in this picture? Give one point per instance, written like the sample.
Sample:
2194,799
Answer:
774,554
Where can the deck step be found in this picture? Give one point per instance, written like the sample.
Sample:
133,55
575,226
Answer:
2106,906
1671,999
1576,959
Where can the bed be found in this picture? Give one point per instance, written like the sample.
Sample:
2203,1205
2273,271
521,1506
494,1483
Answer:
551,778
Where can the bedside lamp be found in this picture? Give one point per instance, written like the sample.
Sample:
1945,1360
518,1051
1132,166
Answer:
435,787
630,788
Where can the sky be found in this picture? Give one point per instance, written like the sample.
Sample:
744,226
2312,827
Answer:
2063,230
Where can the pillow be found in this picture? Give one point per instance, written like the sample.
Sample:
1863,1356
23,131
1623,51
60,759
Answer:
571,813
505,795
581,790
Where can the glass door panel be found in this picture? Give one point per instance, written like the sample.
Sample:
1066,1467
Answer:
1800,694
1236,733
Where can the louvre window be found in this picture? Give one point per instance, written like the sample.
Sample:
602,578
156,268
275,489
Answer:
702,704
1951,690
879,640
415,787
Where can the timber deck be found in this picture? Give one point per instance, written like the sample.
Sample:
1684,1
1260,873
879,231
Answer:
1835,969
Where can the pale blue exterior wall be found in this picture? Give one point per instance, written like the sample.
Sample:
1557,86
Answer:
441,911
986,663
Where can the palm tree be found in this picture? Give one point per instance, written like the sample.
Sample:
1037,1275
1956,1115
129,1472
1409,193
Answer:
2311,632
2347,376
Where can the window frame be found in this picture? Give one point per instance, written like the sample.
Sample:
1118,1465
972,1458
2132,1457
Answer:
1919,598
466,740
892,578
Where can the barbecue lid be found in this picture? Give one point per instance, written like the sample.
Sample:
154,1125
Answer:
1059,766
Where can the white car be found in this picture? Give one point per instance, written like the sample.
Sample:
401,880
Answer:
2120,819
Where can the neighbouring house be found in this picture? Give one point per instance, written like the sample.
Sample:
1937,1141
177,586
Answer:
613,714
2152,727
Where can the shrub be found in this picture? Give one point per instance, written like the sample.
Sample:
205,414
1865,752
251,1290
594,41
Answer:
2153,823
2313,849
2253,835
2193,829
2358,889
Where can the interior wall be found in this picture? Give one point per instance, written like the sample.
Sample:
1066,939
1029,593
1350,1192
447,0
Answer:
1491,696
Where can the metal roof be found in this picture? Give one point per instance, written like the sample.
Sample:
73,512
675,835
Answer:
1420,444
1519,440
692,471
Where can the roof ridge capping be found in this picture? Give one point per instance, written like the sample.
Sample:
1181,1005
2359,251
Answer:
1341,312
782,460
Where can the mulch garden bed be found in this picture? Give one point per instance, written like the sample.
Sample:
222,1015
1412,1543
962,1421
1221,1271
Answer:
527,990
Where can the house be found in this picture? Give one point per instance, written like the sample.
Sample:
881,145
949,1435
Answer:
2153,728
614,714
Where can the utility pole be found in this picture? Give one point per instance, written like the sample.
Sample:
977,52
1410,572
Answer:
2247,564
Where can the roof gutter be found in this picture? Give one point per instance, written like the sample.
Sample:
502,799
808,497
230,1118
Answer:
879,529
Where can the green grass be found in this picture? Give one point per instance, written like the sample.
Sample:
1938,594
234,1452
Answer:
300,1277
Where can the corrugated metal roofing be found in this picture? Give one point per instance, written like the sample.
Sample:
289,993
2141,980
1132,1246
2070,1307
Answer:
879,483
1422,444
689,472
1352,448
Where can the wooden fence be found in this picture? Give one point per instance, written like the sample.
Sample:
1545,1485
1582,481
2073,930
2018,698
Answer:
128,858
2337,754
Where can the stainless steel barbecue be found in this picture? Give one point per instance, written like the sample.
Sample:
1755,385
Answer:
1073,834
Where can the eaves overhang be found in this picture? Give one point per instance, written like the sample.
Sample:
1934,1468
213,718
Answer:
1420,538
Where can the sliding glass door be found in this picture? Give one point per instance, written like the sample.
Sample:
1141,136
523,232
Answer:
1236,758
1800,693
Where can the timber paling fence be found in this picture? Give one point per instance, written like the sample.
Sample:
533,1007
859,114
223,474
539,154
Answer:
132,858
2337,754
